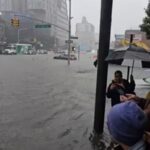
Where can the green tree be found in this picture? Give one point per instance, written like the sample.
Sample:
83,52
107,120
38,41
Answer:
146,22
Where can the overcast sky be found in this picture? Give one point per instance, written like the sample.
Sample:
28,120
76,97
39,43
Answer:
127,14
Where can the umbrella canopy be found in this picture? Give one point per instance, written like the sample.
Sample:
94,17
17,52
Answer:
129,56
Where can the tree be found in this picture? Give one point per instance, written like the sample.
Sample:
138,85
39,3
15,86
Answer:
146,22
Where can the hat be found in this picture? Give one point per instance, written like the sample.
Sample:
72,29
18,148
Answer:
126,123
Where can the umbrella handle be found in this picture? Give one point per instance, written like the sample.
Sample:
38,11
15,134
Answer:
128,72
132,67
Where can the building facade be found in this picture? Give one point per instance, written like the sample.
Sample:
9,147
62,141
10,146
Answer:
86,35
31,12
53,12
137,35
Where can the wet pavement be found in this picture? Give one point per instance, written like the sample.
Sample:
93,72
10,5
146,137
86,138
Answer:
46,105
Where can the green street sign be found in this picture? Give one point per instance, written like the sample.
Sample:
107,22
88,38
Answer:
74,37
43,26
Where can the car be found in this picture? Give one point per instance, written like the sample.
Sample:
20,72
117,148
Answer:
61,51
65,57
30,52
42,51
9,51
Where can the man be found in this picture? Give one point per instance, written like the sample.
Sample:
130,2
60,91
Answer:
119,86
127,123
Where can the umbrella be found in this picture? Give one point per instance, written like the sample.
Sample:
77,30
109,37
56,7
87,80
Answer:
132,56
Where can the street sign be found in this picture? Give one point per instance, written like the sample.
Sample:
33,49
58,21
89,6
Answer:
43,26
74,37
67,41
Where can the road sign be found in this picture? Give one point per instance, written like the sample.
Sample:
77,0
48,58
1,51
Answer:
74,37
67,41
43,26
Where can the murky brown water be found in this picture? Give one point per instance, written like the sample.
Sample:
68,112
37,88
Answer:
44,104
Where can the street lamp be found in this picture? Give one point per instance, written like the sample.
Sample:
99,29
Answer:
69,33
22,29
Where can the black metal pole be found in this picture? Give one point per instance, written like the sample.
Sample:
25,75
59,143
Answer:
104,40
128,72
128,68
131,38
69,33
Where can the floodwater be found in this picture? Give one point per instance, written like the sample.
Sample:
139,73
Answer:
46,105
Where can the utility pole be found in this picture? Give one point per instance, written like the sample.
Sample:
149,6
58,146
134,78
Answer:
18,35
104,40
19,30
69,35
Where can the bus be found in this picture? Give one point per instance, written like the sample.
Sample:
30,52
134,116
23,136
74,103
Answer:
24,48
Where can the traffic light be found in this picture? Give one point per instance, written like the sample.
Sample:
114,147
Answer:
15,22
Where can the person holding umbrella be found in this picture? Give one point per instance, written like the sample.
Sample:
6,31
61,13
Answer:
119,87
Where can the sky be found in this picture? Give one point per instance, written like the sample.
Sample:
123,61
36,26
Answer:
127,14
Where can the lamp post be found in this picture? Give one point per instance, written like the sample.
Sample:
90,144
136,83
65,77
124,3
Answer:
69,33
19,30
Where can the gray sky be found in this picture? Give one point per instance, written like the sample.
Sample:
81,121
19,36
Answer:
127,14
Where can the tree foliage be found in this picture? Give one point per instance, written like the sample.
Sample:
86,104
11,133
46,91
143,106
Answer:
146,22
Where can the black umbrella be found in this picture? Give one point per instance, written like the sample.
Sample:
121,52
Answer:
132,56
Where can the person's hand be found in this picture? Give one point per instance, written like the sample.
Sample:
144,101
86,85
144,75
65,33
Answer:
131,78
132,97
113,86
123,98
128,97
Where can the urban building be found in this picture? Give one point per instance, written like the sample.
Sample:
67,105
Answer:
139,39
137,35
85,32
31,13
118,39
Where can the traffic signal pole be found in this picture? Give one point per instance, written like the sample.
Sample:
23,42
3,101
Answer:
69,35
104,40
18,35
19,30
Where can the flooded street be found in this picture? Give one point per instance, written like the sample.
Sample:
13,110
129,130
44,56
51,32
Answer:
46,105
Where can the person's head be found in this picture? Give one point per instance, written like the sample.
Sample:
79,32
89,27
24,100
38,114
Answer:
118,76
126,123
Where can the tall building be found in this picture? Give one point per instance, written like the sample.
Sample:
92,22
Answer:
62,21
85,32
6,5
13,5
54,12
32,12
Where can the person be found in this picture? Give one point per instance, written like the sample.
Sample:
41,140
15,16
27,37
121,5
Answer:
119,86
95,63
143,103
127,124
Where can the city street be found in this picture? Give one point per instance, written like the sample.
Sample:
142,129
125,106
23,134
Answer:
47,105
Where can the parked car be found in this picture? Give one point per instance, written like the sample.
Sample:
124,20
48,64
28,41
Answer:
30,52
65,57
61,51
9,51
42,51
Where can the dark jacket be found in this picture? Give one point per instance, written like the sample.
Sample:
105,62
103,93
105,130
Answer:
115,93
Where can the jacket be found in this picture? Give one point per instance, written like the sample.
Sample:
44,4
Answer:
115,93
